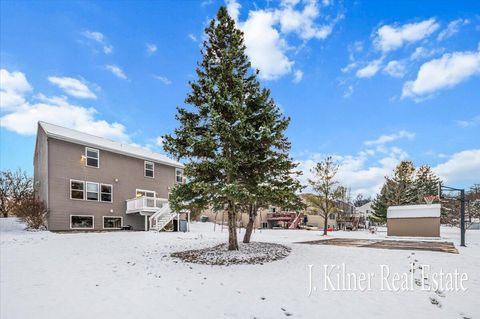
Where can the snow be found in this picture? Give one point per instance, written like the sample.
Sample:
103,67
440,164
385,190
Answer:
414,211
131,275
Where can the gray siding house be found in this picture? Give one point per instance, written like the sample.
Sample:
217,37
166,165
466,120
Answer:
92,183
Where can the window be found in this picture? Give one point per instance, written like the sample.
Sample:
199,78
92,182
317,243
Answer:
92,191
264,225
77,189
93,157
332,216
149,169
106,193
273,209
81,222
112,222
179,175
141,192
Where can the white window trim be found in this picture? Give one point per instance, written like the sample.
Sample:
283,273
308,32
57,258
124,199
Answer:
178,170
86,157
103,222
145,169
84,190
93,221
145,190
111,193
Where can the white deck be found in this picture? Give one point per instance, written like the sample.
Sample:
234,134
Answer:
145,204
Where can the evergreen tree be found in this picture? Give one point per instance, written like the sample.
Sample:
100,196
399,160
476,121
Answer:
268,171
380,205
406,186
233,139
426,183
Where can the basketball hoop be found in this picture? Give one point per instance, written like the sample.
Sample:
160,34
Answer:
429,199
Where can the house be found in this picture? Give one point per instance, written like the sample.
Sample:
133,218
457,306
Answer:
278,217
366,211
414,220
92,183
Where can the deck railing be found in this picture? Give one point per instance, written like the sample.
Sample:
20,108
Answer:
143,203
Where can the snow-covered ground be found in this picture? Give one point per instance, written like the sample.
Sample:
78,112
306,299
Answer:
130,275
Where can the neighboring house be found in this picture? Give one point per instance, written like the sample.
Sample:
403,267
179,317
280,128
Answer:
366,211
92,183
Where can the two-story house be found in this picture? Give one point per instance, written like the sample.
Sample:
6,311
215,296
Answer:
92,183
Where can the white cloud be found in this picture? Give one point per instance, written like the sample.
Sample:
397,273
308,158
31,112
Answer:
99,38
469,123
163,79
192,37
233,8
302,22
265,47
422,52
159,141
94,35
389,37
73,87
442,73
395,68
363,173
206,2
370,69
462,167
107,49
387,138
151,48
297,76
116,71
13,85
57,110
452,28
265,32
348,92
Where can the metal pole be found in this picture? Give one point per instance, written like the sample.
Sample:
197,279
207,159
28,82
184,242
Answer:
462,218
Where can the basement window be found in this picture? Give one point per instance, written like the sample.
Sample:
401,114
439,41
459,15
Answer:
149,169
112,222
81,222
93,157
77,189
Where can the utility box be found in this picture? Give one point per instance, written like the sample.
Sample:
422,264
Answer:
414,220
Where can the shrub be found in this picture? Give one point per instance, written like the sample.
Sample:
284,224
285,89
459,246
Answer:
32,212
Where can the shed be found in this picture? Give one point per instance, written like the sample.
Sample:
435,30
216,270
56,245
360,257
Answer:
414,220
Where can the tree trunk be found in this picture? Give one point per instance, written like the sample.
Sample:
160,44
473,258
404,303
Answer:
325,223
5,214
251,220
232,228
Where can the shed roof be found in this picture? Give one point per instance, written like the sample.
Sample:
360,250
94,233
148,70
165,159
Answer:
414,211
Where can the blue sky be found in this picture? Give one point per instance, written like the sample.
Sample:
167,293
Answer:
369,82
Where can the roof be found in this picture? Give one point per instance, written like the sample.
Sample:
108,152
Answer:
77,137
414,211
365,207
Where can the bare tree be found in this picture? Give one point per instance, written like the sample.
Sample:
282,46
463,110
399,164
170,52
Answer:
327,190
32,211
14,186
